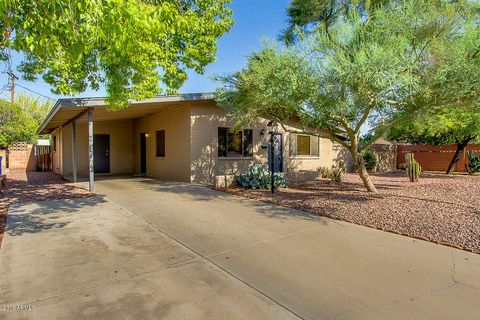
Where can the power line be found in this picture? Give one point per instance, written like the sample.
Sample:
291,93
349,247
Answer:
37,93
4,88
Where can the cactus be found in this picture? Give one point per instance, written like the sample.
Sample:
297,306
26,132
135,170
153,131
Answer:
413,168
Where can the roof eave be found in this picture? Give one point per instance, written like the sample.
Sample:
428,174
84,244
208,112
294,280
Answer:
99,102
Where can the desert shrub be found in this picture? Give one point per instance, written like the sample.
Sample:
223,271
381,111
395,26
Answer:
474,161
259,177
325,172
336,175
370,160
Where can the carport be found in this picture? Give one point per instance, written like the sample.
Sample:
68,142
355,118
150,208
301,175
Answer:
78,145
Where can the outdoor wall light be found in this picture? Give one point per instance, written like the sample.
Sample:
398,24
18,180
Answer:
272,127
147,135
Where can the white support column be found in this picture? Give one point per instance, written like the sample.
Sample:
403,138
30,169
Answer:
91,186
74,150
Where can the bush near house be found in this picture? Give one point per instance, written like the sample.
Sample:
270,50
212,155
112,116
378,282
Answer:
474,164
259,177
370,160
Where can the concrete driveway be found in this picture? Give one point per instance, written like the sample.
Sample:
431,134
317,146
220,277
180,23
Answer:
155,250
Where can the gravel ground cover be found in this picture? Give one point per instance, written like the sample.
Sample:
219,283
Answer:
22,187
442,209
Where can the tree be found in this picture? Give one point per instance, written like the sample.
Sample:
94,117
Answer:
20,121
440,127
451,91
311,15
129,46
360,71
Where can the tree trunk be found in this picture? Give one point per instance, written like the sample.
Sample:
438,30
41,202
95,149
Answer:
362,171
458,153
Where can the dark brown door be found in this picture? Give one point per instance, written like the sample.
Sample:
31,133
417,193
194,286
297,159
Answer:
143,153
101,153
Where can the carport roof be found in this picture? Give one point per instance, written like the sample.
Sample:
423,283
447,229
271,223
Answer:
66,110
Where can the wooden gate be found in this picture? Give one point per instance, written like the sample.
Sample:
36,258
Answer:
433,158
43,158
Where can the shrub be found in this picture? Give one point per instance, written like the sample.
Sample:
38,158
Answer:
259,177
474,161
336,175
370,160
325,172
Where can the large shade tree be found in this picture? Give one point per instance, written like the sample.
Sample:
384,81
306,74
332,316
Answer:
452,93
363,69
131,47
309,16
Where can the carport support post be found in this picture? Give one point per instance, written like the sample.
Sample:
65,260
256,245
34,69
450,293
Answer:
90,150
74,150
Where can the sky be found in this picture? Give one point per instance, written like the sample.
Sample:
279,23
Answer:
254,21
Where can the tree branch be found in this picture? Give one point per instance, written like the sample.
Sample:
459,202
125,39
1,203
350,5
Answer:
364,118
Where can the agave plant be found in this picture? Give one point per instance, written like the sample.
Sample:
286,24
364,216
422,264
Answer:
259,177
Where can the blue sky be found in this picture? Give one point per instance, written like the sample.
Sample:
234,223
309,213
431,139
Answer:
254,20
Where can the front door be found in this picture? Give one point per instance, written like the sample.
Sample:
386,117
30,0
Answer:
101,153
143,153
277,153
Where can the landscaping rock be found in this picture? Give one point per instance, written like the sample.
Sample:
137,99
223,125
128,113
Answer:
439,208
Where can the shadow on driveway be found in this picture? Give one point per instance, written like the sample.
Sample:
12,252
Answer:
45,215
157,191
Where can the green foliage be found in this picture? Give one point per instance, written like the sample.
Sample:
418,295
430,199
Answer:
336,175
273,83
129,46
325,172
413,168
370,160
259,177
34,107
438,127
450,89
453,82
21,121
309,15
474,161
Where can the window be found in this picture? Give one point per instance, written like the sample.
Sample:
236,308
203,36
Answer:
160,136
235,144
54,143
303,145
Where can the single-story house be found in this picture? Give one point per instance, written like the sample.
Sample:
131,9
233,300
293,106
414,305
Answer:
181,138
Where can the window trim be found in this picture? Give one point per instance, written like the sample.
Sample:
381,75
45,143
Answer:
309,145
304,156
245,154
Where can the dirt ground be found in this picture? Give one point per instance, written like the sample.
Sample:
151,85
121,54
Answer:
438,208
23,187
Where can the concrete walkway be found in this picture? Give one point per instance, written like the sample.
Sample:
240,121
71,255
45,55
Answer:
152,250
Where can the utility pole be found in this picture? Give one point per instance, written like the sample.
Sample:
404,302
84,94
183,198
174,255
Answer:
13,77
